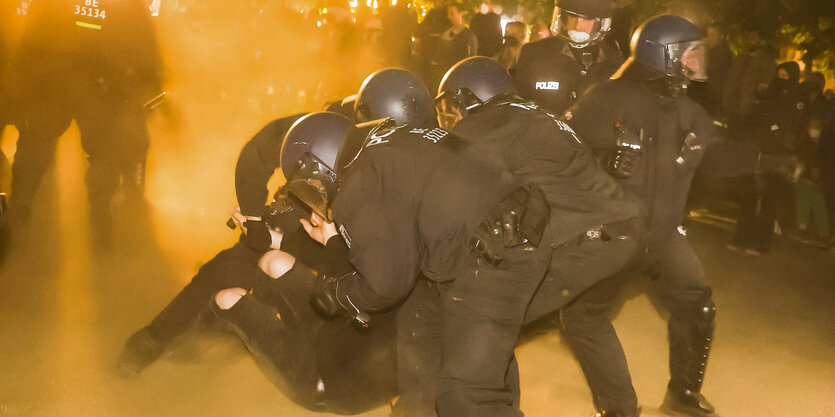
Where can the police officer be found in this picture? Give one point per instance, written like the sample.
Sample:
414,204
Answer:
555,71
468,222
406,207
237,266
652,138
96,62
593,226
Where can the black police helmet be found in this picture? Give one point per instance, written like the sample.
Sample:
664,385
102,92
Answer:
397,94
468,85
582,22
592,8
660,46
483,77
310,157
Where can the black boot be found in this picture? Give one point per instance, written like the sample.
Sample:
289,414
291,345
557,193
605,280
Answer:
691,338
617,413
141,350
687,403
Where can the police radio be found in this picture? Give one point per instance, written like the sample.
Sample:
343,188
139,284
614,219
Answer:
629,146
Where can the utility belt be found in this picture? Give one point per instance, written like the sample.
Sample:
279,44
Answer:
519,219
618,230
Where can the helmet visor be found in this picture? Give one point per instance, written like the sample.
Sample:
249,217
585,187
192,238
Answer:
454,105
313,193
688,59
578,29
314,183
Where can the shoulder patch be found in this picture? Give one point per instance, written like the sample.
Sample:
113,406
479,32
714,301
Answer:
380,137
530,106
345,236
435,135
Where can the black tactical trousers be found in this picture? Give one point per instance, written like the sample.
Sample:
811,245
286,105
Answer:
483,311
679,278
279,330
573,267
420,353
582,263
322,365
233,267
113,135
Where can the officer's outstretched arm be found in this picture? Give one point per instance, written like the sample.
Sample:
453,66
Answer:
593,119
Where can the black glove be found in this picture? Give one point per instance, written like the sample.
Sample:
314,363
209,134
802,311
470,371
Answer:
330,300
257,237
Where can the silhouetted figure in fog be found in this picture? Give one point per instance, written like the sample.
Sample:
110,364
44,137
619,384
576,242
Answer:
399,24
817,103
428,38
719,57
747,78
539,31
96,62
456,43
487,27
516,36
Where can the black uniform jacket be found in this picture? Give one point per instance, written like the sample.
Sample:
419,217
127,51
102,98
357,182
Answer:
662,177
257,162
408,203
549,74
112,42
539,149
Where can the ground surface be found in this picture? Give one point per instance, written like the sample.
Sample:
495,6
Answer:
65,311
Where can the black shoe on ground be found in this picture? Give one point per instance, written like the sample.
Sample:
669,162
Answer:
687,403
141,350
615,413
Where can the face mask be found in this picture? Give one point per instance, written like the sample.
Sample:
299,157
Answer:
578,37
815,133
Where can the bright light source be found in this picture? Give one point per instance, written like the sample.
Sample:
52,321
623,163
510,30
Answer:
505,20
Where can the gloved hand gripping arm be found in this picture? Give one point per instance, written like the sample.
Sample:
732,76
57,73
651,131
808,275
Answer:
329,297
